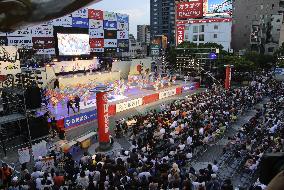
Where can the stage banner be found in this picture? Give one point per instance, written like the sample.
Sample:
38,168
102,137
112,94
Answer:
110,25
129,104
150,98
47,163
80,119
122,26
110,34
103,117
50,51
96,43
39,149
42,31
96,24
65,21
110,16
43,42
82,13
96,33
24,155
20,41
180,34
98,50
122,18
122,35
9,63
22,32
189,10
168,93
80,22
3,41
110,43
96,14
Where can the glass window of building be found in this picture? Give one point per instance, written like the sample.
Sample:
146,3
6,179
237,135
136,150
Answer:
201,37
194,38
195,29
201,28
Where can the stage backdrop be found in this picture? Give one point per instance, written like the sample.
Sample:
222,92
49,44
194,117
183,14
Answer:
145,63
85,79
68,66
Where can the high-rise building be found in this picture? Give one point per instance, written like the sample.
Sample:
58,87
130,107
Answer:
257,25
143,34
163,19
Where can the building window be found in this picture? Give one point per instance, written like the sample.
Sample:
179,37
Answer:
195,38
270,49
195,29
201,28
201,37
216,27
186,36
215,35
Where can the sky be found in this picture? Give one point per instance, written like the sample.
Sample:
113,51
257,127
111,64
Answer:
138,10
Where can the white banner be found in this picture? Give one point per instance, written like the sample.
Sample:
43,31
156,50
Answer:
22,32
122,35
3,34
47,163
24,155
168,93
97,49
96,33
65,21
50,51
96,24
110,16
39,149
122,26
129,104
20,41
8,60
110,43
82,13
42,31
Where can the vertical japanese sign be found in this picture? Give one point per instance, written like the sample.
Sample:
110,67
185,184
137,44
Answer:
193,9
103,117
228,77
180,34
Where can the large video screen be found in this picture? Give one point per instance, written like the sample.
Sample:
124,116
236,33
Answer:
73,44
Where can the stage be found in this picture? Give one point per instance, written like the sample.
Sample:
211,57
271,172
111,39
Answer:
126,94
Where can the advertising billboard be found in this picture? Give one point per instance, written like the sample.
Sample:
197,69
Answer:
82,13
122,35
42,31
110,16
20,41
122,26
96,14
96,33
110,34
96,43
122,18
193,9
43,42
110,25
3,41
110,43
96,24
180,34
80,22
65,21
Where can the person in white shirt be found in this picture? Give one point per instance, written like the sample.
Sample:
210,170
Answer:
189,140
215,167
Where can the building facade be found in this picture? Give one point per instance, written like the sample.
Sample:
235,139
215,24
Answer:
143,34
257,25
162,19
209,30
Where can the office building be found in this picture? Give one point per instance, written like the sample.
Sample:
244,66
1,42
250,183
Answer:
143,34
162,15
257,25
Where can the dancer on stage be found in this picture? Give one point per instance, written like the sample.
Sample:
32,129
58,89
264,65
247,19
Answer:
70,103
77,102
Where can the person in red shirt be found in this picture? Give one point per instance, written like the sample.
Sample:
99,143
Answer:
58,180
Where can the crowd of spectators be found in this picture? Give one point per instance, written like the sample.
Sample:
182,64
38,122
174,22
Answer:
163,144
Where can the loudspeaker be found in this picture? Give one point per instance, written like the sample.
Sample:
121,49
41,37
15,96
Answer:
33,98
38,127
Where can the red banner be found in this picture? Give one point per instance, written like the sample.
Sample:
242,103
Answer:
96,14
103,117
208,20
180,34
151,98
43,42
96,43
112,110
228,77
193,9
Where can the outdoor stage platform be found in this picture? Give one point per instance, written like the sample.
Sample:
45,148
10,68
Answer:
132,98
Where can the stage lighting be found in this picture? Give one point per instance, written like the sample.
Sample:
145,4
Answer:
18,13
